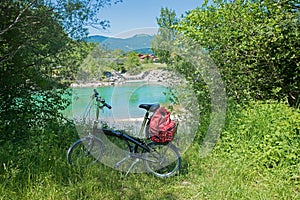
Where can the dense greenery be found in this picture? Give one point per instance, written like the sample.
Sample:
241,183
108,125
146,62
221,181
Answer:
39,57
100,61
242,166
254,43
161,43
270,131
132,62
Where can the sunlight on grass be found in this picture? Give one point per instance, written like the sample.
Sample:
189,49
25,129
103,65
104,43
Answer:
227,173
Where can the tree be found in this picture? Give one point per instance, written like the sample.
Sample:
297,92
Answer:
166,34
39,57
254,43
73,16
118,53
132,62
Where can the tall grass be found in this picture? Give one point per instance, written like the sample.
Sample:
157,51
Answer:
257,157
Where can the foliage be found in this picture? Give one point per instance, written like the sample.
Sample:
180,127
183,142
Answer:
265,135
160,45
98,61
254,43
226,174
256,158
166,44
93,65
132,62
38,60
118,53
74,16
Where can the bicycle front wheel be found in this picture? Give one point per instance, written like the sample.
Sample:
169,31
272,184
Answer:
85,151
163,161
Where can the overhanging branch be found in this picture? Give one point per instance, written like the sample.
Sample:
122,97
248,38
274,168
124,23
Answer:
17,18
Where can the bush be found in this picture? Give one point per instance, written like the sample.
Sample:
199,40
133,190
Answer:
264,134
254,43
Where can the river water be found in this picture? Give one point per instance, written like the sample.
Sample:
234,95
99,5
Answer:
124,99
125,113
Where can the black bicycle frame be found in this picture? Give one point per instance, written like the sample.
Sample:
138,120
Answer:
120,134
136,141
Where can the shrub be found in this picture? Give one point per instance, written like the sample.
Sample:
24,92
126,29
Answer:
254,43
264,134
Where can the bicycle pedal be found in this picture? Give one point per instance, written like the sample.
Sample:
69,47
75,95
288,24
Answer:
117,165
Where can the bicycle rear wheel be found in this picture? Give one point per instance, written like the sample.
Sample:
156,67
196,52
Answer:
85,151
163,161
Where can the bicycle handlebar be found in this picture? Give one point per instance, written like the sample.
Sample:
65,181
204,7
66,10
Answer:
98,98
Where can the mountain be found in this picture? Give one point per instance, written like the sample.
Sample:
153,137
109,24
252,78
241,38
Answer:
139,43
96,38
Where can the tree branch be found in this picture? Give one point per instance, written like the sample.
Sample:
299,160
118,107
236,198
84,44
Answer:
17,18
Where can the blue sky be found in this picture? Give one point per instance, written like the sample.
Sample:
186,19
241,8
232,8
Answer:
139,16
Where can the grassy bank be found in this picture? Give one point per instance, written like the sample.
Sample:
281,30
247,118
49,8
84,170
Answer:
257,157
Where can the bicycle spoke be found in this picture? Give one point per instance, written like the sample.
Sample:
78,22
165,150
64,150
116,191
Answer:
85,151
164,161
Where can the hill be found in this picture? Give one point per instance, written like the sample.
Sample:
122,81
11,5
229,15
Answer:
139,43
96,38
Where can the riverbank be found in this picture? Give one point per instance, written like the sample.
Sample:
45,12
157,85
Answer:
160,76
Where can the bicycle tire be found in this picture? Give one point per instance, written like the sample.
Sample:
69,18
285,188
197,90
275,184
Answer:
85,151
164,161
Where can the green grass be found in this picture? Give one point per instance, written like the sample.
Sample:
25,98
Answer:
240,166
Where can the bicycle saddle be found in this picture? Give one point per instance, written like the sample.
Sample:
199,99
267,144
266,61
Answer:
149,107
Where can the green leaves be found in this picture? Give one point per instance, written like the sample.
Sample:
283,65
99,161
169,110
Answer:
38,60
255,45
132,63
161,44
264,133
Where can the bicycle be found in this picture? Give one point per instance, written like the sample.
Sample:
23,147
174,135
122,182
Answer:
160,159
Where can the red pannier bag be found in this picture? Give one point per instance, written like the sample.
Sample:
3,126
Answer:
161,127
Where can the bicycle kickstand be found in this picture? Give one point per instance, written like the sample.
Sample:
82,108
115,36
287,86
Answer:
132,165
121,161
